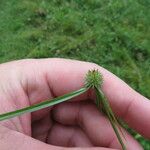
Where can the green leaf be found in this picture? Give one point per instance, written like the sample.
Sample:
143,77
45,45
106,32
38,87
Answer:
109,113
94,79
42,105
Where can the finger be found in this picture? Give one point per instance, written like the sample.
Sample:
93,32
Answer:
95,125
47,78
41,128
12,140
68,136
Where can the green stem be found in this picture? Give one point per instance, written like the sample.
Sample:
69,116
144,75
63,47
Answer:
42,105
109,113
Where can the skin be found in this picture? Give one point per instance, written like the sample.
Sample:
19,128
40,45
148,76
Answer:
76,124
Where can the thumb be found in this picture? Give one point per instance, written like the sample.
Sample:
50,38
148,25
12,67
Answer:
13,140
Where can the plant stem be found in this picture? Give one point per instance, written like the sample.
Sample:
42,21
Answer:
109,113
42,105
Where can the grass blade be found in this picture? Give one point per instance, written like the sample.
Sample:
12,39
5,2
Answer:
42,105
109,113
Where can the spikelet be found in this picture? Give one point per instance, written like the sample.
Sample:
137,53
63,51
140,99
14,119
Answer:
93,79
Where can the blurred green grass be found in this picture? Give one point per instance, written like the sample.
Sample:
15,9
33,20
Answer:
114,34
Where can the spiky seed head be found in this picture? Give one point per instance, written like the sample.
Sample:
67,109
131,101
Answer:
93,79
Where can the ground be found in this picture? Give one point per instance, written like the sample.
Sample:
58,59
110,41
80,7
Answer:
113,34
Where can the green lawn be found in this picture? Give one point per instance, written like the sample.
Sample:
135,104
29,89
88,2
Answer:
114,34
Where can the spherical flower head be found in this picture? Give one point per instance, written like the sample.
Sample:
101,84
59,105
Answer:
93,79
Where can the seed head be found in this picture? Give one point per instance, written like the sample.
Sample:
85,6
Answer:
93,79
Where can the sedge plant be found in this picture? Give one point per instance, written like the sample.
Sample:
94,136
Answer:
93,80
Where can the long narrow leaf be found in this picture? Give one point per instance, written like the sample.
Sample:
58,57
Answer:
109,110
42,105
109,113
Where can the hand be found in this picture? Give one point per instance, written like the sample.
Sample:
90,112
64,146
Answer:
72,124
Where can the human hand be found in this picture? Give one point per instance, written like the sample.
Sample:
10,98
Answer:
72,124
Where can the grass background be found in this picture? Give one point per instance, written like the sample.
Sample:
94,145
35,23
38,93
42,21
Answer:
114,34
